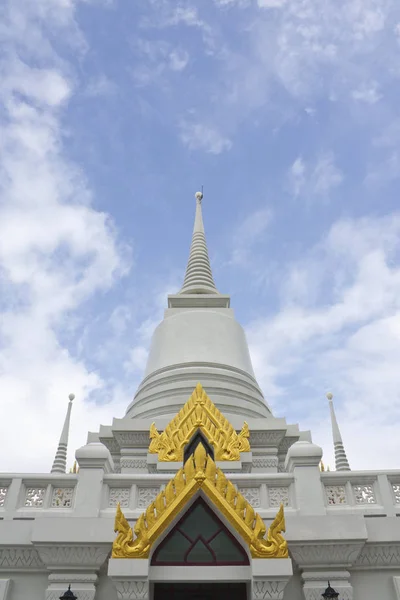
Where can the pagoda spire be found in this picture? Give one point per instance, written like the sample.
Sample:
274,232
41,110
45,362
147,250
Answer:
198,276
60,459
341,462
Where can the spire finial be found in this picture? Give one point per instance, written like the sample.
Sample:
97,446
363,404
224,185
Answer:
60,459
198,276
341,461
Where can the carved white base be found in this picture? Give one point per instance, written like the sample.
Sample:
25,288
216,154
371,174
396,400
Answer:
82,584
270,577
130,578
73,556
316,582
268,588
133,589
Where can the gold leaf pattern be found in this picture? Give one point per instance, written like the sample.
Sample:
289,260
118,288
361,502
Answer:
200,471
199,412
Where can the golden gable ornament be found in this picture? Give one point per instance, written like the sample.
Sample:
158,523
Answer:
199,473
199,413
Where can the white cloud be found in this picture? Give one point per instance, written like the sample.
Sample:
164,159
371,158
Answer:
367,93
100,86
298,175
137,359
56,250
178,59
199,136
385,170
248,233
343,336
389,136
157,59
326,175
313,50
165,14
273,68
271,3
316,179
40,86
120,318
231,3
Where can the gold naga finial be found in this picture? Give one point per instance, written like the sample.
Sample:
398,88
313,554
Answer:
74,469
199,412
200,472
124,540
275,546
322,466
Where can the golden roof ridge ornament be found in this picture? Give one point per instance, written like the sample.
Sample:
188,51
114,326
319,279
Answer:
199,412
199,472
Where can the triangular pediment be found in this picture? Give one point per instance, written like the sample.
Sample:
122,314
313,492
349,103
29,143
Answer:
199,476
199,538
199,413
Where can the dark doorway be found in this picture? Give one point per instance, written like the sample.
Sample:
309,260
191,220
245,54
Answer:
197,438
200,591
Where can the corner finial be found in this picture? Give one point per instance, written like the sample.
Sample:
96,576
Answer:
60,460
341,461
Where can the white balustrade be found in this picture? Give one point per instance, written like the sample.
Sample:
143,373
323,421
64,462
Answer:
369,493
30,495
357,491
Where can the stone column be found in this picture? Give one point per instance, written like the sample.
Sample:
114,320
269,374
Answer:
303,460
82,584
130,577
133,446
4,588
94,461
270,577
316,582
329,559
75,564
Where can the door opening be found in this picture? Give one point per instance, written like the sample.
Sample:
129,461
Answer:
200,591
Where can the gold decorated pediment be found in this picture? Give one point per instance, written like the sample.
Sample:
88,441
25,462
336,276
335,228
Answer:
199,473
199,413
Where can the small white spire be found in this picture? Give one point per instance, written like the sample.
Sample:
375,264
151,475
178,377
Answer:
341,462
60,460
198,277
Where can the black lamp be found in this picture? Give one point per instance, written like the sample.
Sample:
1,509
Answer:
69,594
330,593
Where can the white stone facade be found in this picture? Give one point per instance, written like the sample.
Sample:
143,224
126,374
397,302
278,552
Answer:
341,526
58,529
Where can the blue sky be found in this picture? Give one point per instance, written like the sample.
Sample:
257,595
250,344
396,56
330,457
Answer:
113,114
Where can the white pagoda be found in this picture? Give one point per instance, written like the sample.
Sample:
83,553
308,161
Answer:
199,491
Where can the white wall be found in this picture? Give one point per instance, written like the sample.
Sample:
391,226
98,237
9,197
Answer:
105,589
27,586
374,585
294,588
